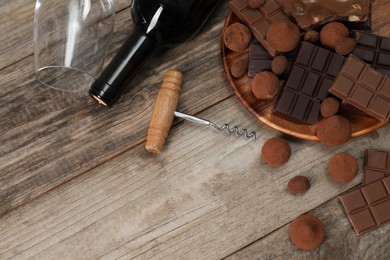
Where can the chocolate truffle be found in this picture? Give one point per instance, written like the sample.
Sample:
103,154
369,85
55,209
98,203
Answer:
329,107
331,33
298,184
265,85
255,3
237,37
312,36
307,232
276,151
345,46
279,65
239,67
343,167
334,131
283,36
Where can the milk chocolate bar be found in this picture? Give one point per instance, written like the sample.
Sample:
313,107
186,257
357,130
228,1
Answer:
363,87
259,19
369,206
376,166
374,50
308,14
307,85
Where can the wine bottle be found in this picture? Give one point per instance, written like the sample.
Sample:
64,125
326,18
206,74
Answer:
157,23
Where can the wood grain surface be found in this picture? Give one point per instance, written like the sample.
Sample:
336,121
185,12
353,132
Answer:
77,183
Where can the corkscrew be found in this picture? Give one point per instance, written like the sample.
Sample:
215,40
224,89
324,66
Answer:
164,112
201,121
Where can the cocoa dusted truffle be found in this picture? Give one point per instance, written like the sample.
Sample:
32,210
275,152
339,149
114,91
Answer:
237,37
279,65
333,32
345,46
312,36
307,232
283,36
239,66
265,85
255,3
329,107
343,167
334,131
276,151
298,184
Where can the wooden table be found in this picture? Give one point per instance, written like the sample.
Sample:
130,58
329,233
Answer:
77,183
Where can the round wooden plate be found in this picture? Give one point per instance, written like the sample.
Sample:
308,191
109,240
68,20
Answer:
262,109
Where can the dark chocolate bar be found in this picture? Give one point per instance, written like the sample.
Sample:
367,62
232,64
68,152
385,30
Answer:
374,50
259,19
307,85
376,166
363,87
369,206
315,12
260,59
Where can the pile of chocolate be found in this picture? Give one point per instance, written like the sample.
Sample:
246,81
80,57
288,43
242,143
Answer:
326,59
323,55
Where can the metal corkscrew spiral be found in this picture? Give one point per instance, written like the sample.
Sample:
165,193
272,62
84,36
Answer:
236,130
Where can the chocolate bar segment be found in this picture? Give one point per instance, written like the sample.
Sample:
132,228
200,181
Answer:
307,85
260,59
259,19
369,206
374,50
315,12
376,166
363,87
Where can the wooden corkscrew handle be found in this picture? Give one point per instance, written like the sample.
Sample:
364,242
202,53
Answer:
163,111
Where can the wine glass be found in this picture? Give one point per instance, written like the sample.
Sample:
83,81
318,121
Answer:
71,39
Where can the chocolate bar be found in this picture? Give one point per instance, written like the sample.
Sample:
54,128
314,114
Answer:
363,25
307,85
376,166
374,50
260,59
368,207
259,19
309,14
363,87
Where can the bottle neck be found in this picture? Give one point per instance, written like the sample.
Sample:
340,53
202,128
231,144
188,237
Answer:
130,58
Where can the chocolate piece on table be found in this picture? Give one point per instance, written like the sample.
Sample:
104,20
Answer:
259,19
260,59
311,13
376,166
368,207
307,85
363,87
374,50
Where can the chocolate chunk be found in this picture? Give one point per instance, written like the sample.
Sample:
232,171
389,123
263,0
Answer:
369,206
363,87
307,85
376,166
260,59
311,13
374,50
259,19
